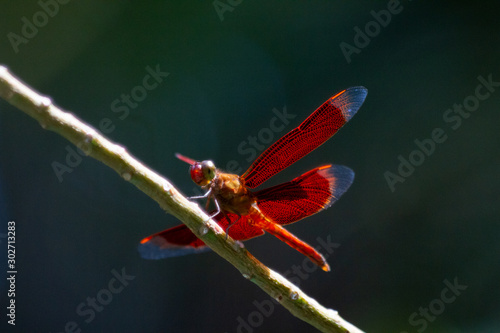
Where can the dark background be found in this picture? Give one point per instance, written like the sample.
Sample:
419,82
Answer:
225,77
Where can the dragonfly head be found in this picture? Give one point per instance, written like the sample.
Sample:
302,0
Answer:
202,173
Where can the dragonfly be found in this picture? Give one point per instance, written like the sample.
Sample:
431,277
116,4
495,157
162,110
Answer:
245,213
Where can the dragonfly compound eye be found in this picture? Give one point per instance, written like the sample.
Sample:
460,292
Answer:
197,174
208,169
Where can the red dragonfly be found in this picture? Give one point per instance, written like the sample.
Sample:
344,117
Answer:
245,214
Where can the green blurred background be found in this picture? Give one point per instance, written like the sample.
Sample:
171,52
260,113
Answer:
227,72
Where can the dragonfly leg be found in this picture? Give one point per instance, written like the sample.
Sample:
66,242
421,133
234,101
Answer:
230,224
217,211
208,196
208,203
202,196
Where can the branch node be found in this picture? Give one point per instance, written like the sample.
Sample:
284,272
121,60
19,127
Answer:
127,176
167,187
238,245
119,150
44,104
86,144
89,136
333,313
204,230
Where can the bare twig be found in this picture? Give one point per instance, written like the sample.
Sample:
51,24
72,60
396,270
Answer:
162,191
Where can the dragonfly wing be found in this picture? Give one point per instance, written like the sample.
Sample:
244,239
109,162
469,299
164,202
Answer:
321,125
179,240
173,242
308,194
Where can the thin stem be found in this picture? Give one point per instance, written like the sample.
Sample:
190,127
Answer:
162,191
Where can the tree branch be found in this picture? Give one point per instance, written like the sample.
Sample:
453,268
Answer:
162,191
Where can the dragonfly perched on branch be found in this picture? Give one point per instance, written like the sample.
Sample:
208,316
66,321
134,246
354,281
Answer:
246,214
